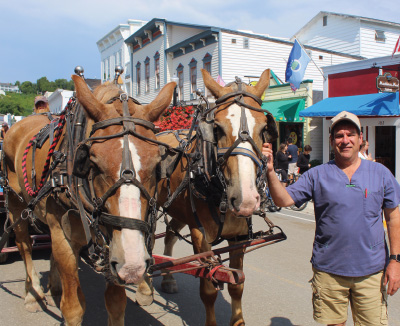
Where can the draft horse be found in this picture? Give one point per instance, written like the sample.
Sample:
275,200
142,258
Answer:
104,206
229,158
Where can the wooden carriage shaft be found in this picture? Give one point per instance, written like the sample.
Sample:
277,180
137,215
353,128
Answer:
223,274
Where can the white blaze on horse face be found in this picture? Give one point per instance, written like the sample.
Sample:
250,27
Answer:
135,254
247,175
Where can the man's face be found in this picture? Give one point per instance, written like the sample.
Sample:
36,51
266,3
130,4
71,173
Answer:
41,105
346,142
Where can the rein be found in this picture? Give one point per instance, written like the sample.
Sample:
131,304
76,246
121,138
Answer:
204,178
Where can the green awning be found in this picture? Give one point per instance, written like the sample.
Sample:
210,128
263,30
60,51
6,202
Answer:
285,110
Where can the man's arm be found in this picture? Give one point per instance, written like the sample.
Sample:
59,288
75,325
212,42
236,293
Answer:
278,192
392,275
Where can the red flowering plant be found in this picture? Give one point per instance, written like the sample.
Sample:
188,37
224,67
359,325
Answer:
177,117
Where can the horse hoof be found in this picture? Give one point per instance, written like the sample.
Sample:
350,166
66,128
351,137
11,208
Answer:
35,306
144,299
169,286
53,300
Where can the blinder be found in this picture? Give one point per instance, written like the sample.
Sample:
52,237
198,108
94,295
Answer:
81,165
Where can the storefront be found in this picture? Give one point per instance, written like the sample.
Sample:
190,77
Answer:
286,106
367,89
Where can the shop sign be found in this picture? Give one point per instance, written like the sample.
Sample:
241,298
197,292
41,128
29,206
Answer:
387,83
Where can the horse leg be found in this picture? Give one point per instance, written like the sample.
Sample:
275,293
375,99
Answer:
115,298
66,259
236,290
145,292
208,292
53,296
168,284
34,298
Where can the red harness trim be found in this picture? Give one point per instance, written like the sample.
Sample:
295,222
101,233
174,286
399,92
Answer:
57,136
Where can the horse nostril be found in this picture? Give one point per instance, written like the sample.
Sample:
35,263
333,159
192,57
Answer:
113,265
234,204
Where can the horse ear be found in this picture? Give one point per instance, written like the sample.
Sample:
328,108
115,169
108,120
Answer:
160,103
92,106
263,83
211,84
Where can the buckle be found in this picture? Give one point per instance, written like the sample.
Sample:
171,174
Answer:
123,97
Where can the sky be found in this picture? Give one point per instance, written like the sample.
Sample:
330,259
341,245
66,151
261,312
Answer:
50,37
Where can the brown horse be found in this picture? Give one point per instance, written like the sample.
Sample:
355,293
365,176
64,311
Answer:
121,159
237,114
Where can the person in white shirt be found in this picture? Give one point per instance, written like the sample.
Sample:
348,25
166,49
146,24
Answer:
363,151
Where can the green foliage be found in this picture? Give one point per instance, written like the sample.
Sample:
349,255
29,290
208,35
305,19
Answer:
315,163
22,104
28,88
43,85
17,104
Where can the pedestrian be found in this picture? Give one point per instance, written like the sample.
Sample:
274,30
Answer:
363,151
282,163
3,131
303,162
41,104
350,259
293,151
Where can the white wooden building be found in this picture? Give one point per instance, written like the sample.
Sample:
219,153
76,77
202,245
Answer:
355,35
163,48
114,51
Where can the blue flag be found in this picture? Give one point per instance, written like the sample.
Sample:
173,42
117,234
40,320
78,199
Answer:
296,65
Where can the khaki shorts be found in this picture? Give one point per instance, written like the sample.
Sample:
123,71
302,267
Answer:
293,169
332,294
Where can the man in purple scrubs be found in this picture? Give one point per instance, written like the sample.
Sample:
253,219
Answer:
350,259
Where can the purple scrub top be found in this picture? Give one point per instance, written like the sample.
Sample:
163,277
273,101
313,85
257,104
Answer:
349,235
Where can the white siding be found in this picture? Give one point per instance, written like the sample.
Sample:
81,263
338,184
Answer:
370,48
198,55
316,139
149,50
341,35
263,54
177,34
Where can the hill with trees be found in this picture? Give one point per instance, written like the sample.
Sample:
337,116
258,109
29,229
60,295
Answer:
22,104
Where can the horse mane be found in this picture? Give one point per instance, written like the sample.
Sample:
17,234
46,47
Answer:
106,91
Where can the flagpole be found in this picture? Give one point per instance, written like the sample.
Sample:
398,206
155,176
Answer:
311,59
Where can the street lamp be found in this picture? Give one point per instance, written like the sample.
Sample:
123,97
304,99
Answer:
175,79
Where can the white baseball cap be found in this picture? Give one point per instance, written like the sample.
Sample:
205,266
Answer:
346,116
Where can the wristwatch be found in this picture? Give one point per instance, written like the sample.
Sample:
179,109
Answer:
395,257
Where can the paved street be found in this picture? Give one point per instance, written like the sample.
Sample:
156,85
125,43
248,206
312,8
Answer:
277,292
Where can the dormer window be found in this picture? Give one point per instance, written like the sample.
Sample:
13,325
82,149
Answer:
380,36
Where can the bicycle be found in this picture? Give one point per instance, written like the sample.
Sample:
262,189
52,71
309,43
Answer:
294,178
270,203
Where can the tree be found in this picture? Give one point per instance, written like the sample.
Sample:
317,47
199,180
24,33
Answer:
43,85
28,88
17,104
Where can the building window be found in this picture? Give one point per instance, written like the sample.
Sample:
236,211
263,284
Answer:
147,74
103,69
233,41
325,21
138,78
179,73
380,36
157,70
207,66
193,78
207,62
107,75
246,43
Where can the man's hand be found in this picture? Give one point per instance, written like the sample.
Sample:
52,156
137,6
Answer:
267,151
392,277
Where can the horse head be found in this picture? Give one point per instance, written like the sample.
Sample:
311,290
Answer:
123,160
241,126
